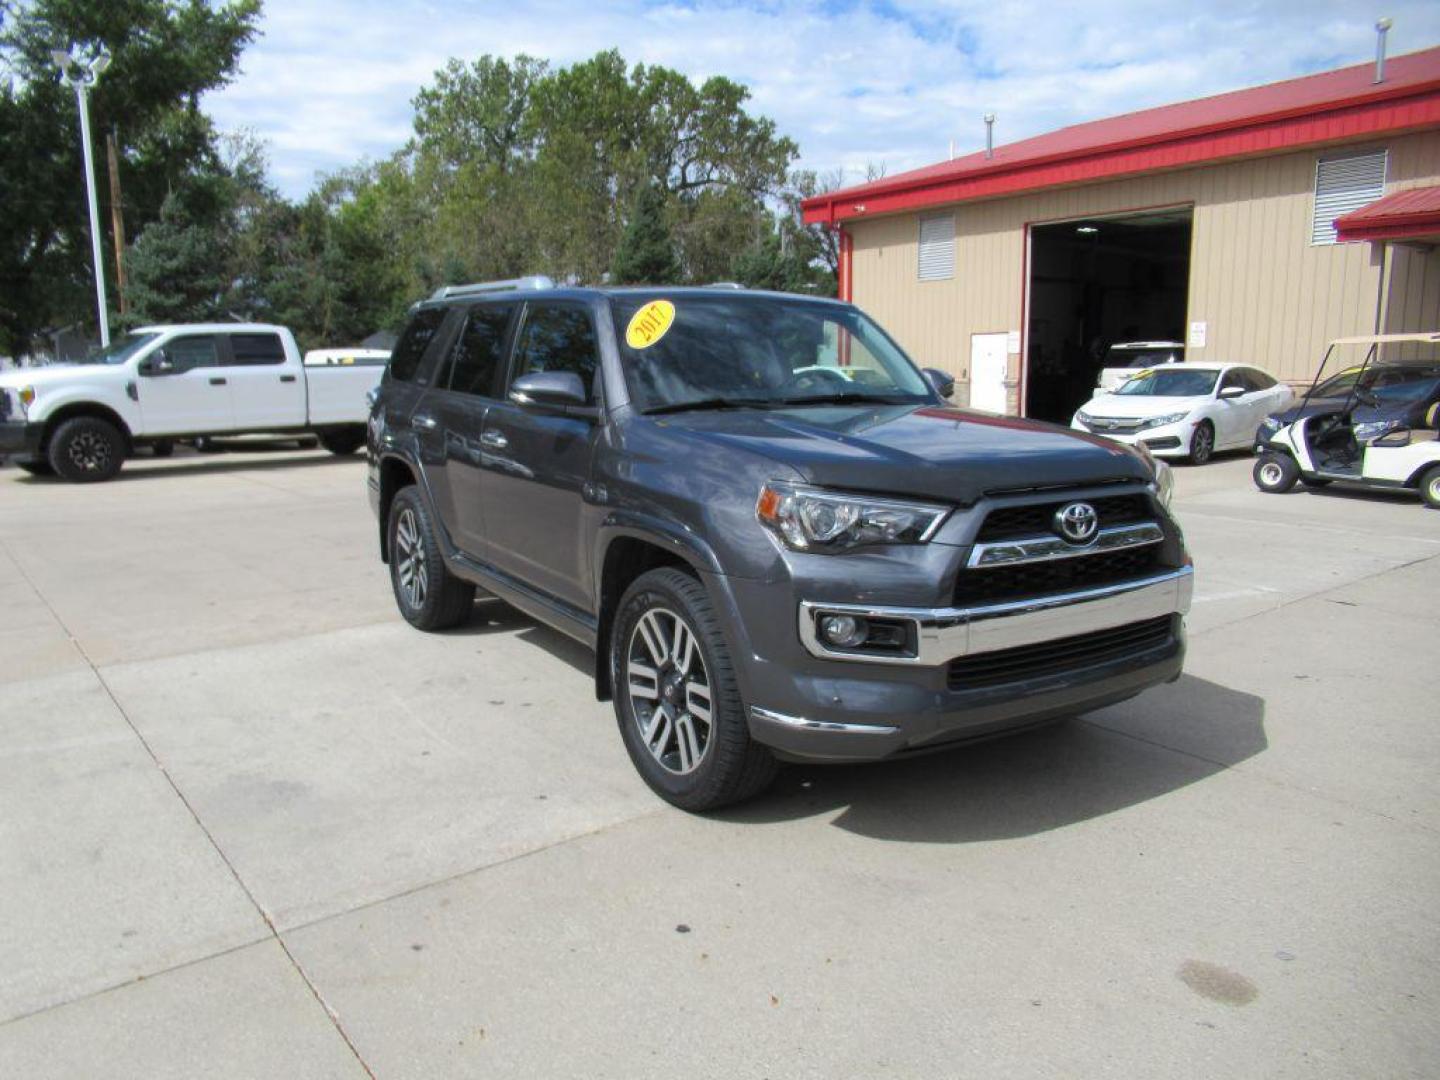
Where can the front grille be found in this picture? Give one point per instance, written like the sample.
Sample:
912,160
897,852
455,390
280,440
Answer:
1061,655
1037,519
1023,581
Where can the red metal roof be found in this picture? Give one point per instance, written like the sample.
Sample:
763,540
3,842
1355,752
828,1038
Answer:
1333,106
1401,215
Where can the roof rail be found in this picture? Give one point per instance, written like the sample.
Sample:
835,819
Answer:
479,288
724,285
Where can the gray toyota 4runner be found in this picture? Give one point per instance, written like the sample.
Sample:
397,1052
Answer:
778,539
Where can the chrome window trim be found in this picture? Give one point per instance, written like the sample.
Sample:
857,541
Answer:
1047,548
944,634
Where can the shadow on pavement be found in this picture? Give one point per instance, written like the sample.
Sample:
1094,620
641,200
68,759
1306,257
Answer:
1032,782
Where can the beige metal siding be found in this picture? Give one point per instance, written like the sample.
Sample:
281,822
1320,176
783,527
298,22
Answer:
1267,296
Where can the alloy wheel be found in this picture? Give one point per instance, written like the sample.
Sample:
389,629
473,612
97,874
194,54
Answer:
90,451
410,559
669,690
1271,474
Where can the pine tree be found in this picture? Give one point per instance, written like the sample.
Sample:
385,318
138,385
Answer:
646,253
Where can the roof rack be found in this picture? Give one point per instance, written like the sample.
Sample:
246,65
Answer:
724,285
479,288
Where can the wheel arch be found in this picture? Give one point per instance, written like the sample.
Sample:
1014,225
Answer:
395,475
622,555
72,410
1414,479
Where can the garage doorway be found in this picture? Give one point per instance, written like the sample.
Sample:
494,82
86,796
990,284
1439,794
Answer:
1097,282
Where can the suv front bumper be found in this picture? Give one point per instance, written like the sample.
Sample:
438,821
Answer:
833,706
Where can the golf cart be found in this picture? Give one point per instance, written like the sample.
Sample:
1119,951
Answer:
1329,446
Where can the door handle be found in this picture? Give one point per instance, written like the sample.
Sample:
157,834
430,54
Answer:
217,382
495,440
287,378
424,421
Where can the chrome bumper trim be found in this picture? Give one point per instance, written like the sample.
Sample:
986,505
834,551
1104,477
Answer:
943,634
1035,549
802,724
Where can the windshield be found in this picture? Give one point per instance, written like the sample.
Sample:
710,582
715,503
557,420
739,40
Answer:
1170,383
121,350
1137,358
685,350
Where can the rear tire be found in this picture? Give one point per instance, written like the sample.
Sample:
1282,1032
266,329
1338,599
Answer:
1276,473
677,699
343,442
1202,443
1430,487
427,594
86,449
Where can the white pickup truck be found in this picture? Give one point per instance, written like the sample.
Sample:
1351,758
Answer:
162,383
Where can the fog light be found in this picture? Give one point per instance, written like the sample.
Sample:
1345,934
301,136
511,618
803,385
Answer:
845,631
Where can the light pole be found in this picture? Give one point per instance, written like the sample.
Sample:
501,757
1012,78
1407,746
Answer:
82,71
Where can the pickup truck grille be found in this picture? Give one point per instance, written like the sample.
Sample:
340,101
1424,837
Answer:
1014,522
1061,656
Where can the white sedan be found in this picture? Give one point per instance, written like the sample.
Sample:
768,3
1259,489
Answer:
1186,410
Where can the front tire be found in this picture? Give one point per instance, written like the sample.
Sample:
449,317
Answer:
86,449
343,442
1276,473
1202,443
427,594
1430,487
677,699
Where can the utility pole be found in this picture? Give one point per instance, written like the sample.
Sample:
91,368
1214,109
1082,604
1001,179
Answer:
117,218
82,72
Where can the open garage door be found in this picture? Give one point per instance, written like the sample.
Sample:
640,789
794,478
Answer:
1095,283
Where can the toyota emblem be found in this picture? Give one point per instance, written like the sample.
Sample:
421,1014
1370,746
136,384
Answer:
1077,522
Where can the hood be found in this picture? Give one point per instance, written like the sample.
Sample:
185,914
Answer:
41,376
1140,406
947,454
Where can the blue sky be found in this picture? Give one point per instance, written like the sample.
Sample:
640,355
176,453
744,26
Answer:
885,82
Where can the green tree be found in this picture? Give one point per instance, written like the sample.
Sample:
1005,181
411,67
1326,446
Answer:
166,54
646,253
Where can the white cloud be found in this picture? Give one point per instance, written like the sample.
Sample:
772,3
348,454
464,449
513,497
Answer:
330,81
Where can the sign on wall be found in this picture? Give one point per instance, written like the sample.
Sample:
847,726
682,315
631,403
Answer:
1197,335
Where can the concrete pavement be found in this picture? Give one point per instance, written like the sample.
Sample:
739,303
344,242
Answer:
251,824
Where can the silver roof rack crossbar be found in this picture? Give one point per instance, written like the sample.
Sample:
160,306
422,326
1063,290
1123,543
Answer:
479,288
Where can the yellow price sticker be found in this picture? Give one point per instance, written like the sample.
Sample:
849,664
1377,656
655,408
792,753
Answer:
650,324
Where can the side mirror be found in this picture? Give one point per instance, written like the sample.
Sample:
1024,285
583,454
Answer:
562,390
942,382
1230,393
157,363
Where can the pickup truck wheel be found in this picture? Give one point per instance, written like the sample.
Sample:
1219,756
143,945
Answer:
343,442
1276,473
163,448
428,595
1430,487
677,699
86,449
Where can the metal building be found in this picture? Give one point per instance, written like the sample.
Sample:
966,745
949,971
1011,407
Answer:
1211,223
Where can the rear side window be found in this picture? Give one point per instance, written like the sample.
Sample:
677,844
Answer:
246,349
558,338
480,350
410,349
1258,379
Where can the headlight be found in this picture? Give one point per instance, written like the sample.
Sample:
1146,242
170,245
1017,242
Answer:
811,519
1161,421
1083,417
1373,429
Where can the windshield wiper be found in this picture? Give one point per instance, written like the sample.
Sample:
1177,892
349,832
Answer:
850,399
712,403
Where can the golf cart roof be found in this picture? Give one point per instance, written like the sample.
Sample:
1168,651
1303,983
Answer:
1430,337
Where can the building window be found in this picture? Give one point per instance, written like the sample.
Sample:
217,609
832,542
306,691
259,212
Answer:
1342,185
937,248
